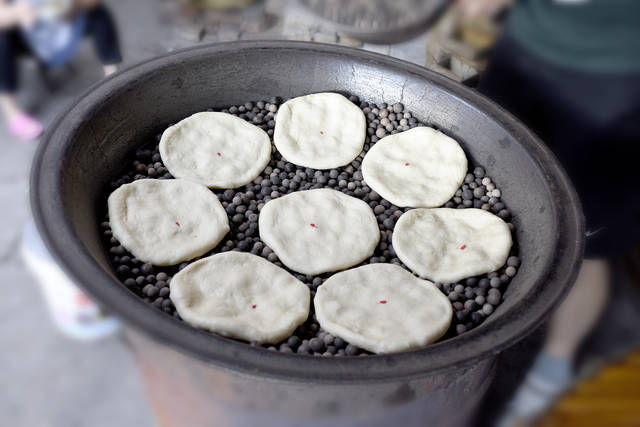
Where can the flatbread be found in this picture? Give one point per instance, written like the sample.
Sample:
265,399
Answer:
218,150
320,131
168,221
417,168
320,230
382,308
240,295
447,245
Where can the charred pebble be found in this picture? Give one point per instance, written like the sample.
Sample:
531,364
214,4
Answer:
473,299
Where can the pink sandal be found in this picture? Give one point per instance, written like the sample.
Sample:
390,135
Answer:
25,127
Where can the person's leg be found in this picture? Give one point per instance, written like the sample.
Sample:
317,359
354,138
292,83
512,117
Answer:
552,371
101,28
20,124
579,312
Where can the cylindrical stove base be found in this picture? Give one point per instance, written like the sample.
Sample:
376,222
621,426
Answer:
184,391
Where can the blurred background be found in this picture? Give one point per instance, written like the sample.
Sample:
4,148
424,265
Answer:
64,362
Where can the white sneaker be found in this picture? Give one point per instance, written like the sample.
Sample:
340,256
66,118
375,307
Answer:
534,398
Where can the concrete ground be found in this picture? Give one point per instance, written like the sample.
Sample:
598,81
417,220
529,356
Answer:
50,380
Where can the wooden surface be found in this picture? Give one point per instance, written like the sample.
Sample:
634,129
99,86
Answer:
611,398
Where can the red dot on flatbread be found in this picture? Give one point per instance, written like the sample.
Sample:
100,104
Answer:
219,155
82,299
384,301
463,247
314,226
321,133
406,164
177,223
254,306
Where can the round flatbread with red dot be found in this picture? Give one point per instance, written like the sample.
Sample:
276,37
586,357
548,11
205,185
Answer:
320,131
240,295
166,221
218,150
421,167
382,308
320,230
448,245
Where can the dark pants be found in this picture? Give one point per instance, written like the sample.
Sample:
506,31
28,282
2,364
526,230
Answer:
592,123
100,28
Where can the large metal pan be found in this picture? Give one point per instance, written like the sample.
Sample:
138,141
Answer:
220,378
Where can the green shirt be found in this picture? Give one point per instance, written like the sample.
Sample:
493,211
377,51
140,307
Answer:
589,35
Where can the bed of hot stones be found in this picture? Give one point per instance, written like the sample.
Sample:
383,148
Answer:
473,299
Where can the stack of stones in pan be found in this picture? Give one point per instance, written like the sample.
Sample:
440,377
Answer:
323,234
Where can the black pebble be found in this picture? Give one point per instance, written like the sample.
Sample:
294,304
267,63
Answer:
150,291
351,350
293,341
339,343
317,345
123,270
